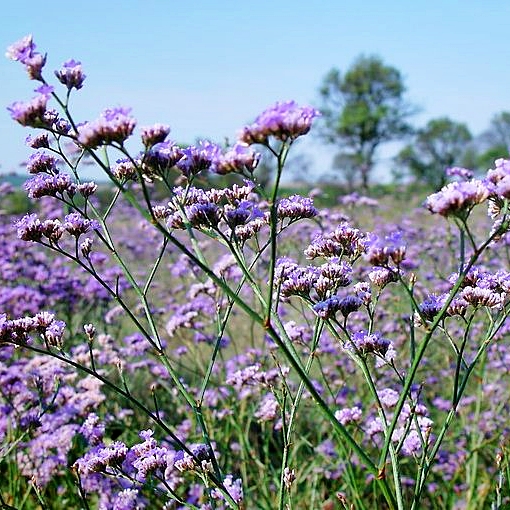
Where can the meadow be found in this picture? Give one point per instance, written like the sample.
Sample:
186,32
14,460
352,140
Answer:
185,337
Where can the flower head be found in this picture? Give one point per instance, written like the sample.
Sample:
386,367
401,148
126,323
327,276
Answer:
31,113
284,120
151,135
197,158
113,125
238,158
71,74
457,198
24,51
41,162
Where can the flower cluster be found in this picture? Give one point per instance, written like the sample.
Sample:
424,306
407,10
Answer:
344,240
283,121
24,51
18,331
71,74
457,198
113,125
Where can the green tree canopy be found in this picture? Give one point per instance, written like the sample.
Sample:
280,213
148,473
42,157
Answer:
494,143
363,109
442,143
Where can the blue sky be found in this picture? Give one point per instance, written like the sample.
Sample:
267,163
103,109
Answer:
208,67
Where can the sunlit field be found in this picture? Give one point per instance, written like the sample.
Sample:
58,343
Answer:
183,335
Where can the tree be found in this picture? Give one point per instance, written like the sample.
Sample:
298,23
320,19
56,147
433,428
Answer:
363,109
441,144
494,143
498,133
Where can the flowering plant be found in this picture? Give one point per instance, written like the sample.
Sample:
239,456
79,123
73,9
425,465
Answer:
237,339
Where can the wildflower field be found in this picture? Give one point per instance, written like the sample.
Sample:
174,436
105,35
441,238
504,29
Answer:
183,337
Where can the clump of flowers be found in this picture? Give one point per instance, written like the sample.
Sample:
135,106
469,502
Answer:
226,346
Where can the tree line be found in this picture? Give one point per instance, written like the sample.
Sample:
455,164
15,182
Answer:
366,107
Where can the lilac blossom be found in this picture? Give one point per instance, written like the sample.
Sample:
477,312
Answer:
24,51
457,171
71,74
39,141
295,208
196,159
29,228
152,135
42,185
233,487
239,158
458,198
349,415
101,457
366,343
283,120
77,225
113,125
32,113
42,162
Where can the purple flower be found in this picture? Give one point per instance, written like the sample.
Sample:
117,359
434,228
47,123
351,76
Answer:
457,198
381,276
349,304
357,200
388,397
268,409
39,141
93,429
126,500
54,333
21,50
432,306
42,162
349,415
162,156
458,171
478,296
203,215
234,488
295,280
500,171
344,240
42,185
283,120
77,225
71,74
31,114
195,159
151,135
113,125
239,215
296,207
367,343
87,189
327,309
52,229
239,158
101,457
24,51
338,272
29,228
124,169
